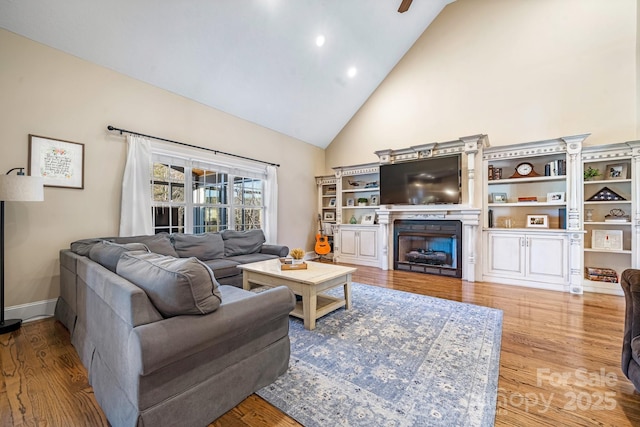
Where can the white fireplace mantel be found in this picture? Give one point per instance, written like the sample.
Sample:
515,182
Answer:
469,216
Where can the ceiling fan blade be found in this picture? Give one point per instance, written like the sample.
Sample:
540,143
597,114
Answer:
404,6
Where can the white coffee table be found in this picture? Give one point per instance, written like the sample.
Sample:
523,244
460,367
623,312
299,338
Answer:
309,284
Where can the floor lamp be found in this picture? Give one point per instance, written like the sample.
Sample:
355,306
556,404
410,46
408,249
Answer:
14,188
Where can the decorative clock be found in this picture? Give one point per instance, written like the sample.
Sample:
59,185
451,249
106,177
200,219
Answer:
524,170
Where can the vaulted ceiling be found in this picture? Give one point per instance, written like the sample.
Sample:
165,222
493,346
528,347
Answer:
261,60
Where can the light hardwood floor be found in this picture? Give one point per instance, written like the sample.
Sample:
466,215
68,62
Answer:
559,363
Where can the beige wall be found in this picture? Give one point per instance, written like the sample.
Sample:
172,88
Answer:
517,70
49,93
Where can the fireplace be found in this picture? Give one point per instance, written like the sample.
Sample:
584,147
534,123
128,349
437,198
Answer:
432,247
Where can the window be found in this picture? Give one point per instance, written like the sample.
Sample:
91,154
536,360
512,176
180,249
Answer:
219,198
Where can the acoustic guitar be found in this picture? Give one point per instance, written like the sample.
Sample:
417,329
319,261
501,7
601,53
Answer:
322,242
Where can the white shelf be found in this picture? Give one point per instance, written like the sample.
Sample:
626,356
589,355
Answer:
361,190
521,180
606,223
605,202
514,204
606,181
527,230
604,251
361,207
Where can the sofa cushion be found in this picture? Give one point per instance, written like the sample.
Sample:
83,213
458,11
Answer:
204,246
159,243
83,247
223,267
107,253
174,285
242,242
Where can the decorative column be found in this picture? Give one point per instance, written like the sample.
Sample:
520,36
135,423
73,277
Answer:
574,202
386,258
472,145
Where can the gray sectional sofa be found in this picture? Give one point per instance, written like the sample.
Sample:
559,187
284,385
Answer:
163,342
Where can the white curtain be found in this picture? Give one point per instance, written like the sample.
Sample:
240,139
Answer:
271,205
135,209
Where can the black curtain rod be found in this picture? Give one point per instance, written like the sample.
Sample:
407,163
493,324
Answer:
189,145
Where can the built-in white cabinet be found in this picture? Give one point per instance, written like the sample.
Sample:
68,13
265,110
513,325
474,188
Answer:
531,232
527,257
359,245
357,230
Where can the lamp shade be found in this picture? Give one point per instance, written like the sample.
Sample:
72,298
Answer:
21,188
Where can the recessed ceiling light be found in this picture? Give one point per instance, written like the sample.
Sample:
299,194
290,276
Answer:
351,72
320,40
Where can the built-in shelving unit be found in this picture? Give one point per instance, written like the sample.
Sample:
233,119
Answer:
610,214
328,207
357,237
529,200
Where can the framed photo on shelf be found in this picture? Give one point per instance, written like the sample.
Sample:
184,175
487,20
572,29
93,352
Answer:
332,203
537,221
329,216
59,163
616,171
609,240
368,219
351,202
327,227
498,197
374,200
556,197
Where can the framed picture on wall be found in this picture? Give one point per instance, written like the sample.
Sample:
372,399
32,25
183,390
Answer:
59,163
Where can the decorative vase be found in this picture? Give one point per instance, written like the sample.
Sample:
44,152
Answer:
297,261
353,220
362,204
588,215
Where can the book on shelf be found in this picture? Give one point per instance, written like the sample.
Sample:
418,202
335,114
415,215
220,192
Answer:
599,274
608,279
555,168
528,199
494,173
601,271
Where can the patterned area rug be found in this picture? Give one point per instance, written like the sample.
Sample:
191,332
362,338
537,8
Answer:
394,359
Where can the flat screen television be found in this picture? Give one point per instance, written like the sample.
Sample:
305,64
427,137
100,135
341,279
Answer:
429,181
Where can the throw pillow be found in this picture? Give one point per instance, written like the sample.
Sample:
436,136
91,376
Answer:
83,247
242,242
107,253
158,243
175,286
205,246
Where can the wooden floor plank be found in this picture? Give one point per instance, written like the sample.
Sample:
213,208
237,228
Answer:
546,335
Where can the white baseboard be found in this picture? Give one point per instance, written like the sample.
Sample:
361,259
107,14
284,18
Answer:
31,311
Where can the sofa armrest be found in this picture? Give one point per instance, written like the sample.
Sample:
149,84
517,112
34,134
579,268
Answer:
630,282
161,343
278,250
